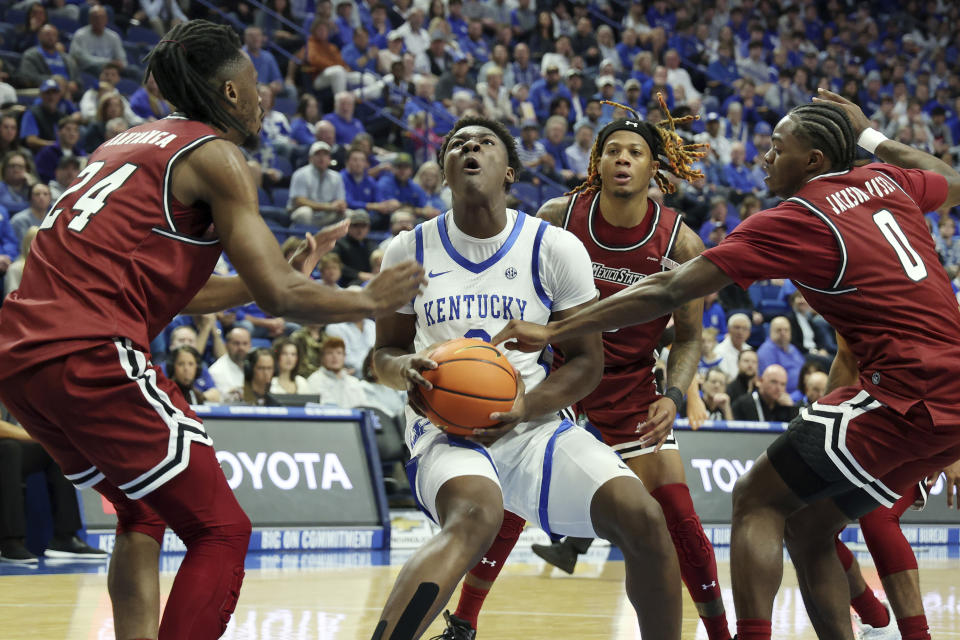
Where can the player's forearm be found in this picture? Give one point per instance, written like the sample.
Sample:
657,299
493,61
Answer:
219,293
14,432
387,364
899,154
682,363
306,301
565,386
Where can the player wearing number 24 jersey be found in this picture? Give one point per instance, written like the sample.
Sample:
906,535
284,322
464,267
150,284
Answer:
855,241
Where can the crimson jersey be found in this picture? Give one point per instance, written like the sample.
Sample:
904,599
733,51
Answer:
117,256
621,257
857,245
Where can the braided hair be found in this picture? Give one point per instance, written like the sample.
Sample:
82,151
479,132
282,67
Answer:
664,142
188,66
826,127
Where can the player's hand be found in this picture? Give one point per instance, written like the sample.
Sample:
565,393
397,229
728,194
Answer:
952,485
394,287
696,411
508,419
412,367
523,336
655,429
858,120
315,245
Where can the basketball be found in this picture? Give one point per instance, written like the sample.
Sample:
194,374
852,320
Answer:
471,381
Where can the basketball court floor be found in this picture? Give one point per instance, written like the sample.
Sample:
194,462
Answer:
338,596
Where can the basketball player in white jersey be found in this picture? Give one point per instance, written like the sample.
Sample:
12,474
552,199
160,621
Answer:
488,264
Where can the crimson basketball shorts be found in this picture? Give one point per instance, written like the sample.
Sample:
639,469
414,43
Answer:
106,412
849,447
618,406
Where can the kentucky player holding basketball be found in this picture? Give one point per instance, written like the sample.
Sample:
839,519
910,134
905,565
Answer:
488,264
855,239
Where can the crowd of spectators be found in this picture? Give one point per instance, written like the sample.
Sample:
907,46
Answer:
357,95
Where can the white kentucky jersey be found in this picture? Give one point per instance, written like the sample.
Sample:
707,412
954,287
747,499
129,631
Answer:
527,271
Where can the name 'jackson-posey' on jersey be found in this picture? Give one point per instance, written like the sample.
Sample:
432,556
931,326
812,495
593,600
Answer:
109,258
477,285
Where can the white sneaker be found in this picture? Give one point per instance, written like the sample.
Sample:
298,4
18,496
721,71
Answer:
889,632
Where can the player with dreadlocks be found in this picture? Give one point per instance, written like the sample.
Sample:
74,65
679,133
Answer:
131,243
629,236
854,238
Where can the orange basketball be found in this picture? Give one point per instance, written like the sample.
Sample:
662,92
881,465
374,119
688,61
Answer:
471,381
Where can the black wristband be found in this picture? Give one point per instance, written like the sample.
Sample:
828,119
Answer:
675,394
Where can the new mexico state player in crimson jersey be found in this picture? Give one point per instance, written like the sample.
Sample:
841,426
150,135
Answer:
131,243
854,239
629,237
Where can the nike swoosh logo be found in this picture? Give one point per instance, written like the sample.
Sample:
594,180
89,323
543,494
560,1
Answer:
434,275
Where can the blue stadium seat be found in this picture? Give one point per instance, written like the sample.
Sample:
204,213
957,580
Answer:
768,298
283,165
127,87
7,34
286,106
64,24
135,52
263,197
89,81
277,215
526,193
142,35
11,60
260,343
15,16
280,197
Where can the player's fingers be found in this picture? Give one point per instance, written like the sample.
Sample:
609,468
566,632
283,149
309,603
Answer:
506,333
421,363
414,376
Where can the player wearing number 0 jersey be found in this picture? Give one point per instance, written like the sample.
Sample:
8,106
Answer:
855,241
488,265
131,243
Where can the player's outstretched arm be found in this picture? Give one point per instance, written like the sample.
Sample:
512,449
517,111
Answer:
216,174
649,298
897,153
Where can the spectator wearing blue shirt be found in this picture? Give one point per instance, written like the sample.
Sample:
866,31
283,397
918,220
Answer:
475,44
344,24
359,54
268,71
546,89
523,19
9,247
524,71
342,119
722,72
68,138
362,192
555,144
720,215
714,317
455,17
380,27
659,15
38,128
628,48
15,185
778,349
398,185
737,175
303,127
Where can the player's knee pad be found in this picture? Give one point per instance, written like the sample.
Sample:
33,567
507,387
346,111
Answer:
512,525
230,602
890,550
844,553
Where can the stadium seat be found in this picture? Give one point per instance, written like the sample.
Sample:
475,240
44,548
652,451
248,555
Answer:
142,35
526,193
89,81
127,87
280,197
65,25
11,60
15,17
135,52
283,165
277,215
286,106
7,34
260,343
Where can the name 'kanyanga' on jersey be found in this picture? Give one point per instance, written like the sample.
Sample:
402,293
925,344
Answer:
469,305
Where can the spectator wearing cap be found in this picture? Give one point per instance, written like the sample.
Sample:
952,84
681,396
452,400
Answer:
436,60
94,45
346,125
47,59
719,152
361,190
66,172
398,185
416,40
578,153
524,70
759,144
67,144
38,128
633,96
355,248
574,82
546,89
529,148
317,196
608,89
454,80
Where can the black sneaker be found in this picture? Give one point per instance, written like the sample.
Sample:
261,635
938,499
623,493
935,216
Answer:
563,555
457,629
73,548
14,552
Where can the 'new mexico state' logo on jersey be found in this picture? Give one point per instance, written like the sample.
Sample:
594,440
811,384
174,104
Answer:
616,275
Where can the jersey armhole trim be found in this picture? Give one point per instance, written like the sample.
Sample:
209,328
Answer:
168,174
535,266
835,287
569,211
181,237
896,184
673,239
